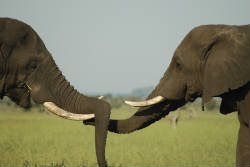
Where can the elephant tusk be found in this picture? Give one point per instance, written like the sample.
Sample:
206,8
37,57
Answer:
148,102
53,108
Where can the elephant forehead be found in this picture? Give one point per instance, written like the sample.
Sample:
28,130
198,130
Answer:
11,32
186,55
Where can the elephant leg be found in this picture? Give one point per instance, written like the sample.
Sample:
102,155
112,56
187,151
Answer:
243,144
242,152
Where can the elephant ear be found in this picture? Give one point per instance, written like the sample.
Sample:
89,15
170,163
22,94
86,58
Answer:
226,65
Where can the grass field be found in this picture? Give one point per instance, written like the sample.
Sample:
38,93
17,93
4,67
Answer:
40,139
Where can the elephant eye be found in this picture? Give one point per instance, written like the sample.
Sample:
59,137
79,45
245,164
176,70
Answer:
178,65
33,65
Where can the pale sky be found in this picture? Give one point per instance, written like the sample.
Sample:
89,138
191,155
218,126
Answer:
115,46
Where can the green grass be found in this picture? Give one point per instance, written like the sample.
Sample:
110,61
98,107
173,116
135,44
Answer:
40,139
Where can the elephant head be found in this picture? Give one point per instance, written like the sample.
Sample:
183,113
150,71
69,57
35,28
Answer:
27,70
212,60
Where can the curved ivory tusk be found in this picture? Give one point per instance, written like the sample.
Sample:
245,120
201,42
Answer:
148,102
53,108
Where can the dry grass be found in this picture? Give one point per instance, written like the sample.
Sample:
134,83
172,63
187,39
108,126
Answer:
39,139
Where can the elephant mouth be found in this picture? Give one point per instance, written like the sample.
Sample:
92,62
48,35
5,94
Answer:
20,95
191,97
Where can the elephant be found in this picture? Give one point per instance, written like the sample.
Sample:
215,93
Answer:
28,71
211,61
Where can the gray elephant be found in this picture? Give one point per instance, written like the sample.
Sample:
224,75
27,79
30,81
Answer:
27,70
211,61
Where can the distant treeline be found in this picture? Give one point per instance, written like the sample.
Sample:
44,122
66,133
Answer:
118,101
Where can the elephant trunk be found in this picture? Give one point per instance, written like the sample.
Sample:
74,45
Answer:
141,119
49,85
75,102
145,116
